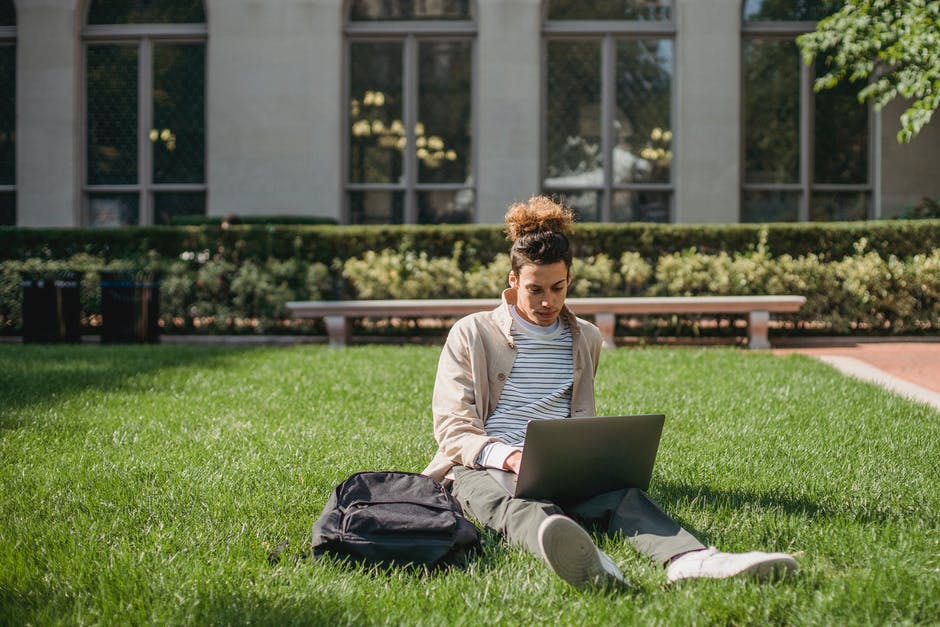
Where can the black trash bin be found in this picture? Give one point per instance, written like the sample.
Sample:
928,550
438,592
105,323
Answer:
130,306
52,307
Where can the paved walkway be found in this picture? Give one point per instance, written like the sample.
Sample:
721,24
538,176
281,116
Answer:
911,369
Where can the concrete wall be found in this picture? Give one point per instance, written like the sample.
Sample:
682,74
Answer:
708,121
274,110
508,124
48,62
909,172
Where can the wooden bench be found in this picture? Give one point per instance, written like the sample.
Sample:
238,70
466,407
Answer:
338,314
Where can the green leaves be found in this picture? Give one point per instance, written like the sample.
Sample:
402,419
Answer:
895,45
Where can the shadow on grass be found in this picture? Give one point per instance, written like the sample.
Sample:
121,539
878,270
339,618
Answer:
711,498
38,374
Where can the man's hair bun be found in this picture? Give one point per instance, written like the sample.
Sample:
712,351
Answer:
538,214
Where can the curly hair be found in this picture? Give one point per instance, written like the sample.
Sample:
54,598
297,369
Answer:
539,229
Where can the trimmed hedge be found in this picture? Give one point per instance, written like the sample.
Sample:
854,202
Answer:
876,277
864,292
200,220
481,243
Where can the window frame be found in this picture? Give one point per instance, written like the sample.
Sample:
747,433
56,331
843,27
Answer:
775,30
144,37
8,38
608,33
410,33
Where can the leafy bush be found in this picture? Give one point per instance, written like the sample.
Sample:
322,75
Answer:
200,220
196,291
405,274
489,281
863,291
595,276
224,286
481,243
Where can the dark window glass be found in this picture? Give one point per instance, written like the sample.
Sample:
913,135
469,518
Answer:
446,206
146,12
7,13
585,204
368,10
442,136
179,113
7,208
111,85
376,207
841,135
642,128
168,205
645,10
640,206
105,210
789,10
574,114
770,206
771,111
377,134
7,115
832,206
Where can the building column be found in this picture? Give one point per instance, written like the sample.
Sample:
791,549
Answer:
274,110
48,131
908,172
708,125
508,93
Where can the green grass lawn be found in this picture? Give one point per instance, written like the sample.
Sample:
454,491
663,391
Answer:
147,484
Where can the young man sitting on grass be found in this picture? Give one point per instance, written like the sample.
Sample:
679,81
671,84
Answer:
532,359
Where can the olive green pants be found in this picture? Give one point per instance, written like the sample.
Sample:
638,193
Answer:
629,511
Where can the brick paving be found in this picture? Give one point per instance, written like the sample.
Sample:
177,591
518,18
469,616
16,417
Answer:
911,369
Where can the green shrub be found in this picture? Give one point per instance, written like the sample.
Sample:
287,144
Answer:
405,274
200,220
227,284
635,272
489,281
481,243
595,276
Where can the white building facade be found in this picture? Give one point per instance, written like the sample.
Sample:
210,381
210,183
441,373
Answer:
429,111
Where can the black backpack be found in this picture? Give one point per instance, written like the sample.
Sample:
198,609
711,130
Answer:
394,518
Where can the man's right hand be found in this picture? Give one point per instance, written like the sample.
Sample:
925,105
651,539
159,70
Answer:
513,461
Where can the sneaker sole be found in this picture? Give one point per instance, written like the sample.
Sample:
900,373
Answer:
570,552
771,569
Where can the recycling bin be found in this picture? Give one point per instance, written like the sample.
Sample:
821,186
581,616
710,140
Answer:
130,307
52,307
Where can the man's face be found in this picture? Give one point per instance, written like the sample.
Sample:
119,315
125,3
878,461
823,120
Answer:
541,291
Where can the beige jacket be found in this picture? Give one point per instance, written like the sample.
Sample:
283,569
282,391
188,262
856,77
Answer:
471,373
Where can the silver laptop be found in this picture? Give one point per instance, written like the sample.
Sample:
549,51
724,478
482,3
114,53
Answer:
577,458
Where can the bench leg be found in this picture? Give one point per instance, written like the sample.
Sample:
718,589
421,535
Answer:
758,322
338,328
605,323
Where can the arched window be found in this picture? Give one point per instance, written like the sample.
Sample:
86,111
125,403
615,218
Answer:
609,108
806,155
409,115
7,113
145,104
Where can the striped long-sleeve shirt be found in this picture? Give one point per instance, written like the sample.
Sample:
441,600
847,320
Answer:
538,387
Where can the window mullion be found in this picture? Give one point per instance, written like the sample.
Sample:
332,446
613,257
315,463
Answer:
145,124
608,106
806,139
410,113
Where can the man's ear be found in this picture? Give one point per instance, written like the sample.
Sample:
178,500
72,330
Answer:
513,281
569,278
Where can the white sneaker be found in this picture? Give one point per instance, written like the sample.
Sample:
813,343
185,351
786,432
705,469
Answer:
570,552
713,564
